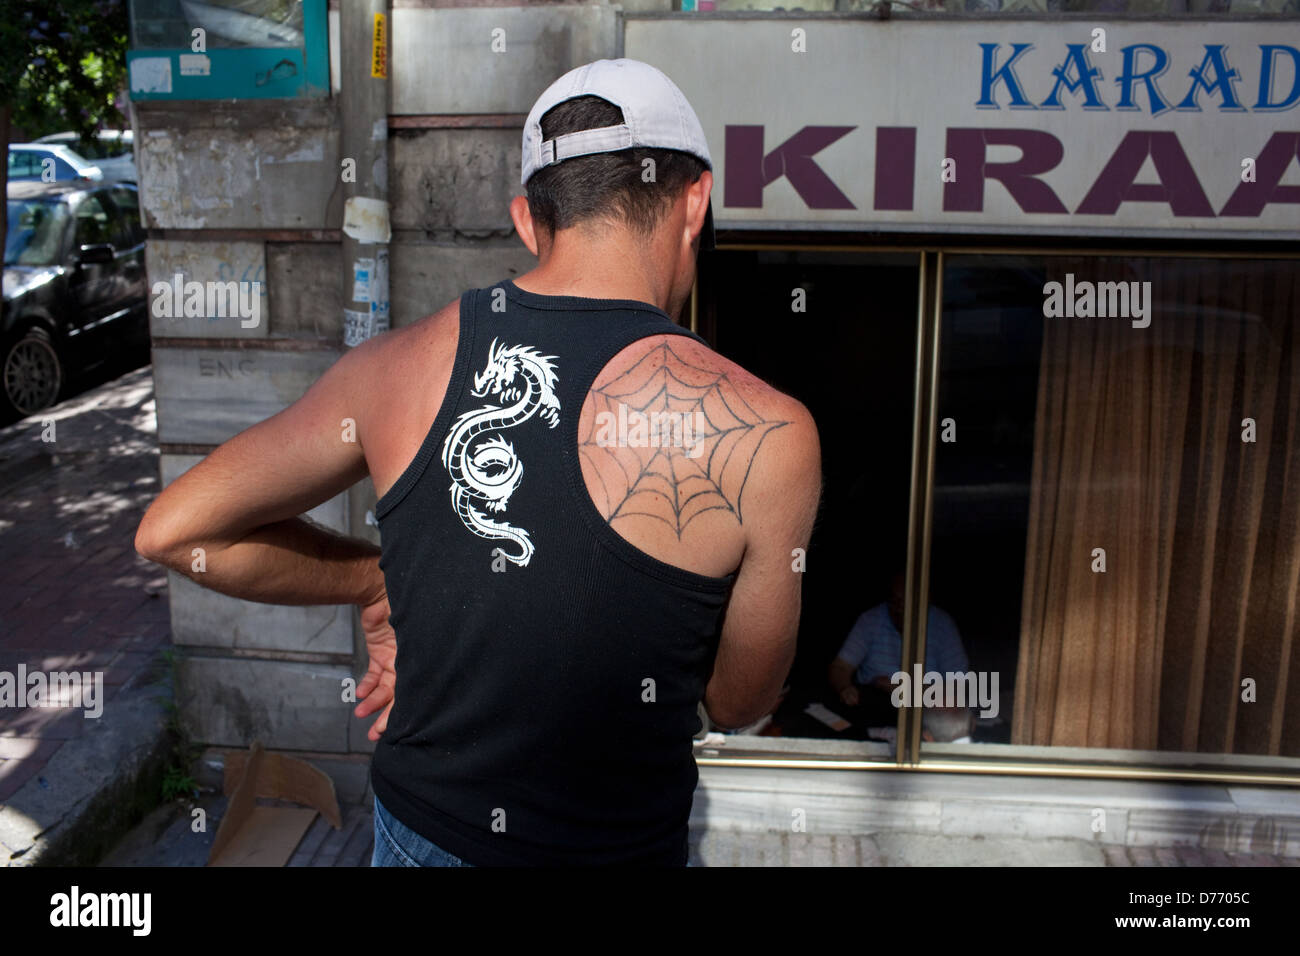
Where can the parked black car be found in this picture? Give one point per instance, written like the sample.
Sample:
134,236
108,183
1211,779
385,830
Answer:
75,292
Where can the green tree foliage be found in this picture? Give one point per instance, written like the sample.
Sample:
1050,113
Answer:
63,64
62,67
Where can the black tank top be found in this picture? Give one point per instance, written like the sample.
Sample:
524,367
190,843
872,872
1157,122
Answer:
548,671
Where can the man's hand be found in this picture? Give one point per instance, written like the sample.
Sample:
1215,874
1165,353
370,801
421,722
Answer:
376,688
850,696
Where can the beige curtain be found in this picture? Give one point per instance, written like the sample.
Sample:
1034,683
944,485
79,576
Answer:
1139,452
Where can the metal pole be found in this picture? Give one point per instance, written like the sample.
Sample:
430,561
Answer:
364,55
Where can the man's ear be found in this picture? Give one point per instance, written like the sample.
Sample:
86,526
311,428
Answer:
523,220
697,205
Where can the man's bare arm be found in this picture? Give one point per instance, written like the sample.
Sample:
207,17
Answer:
757,644
841,678
841,674
240,505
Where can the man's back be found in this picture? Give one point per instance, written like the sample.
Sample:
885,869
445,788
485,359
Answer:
412,367
558,583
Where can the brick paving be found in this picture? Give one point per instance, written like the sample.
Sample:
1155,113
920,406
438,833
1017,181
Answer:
166,838
74,595
353,845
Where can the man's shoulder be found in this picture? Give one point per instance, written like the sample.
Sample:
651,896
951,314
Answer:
431,337
395,370
738,382
755,411
775,436
874,618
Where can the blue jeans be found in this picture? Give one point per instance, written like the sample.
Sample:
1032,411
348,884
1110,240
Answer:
398,845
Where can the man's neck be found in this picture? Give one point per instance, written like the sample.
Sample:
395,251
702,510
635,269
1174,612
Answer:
611,265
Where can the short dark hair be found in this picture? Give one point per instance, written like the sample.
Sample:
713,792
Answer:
605,186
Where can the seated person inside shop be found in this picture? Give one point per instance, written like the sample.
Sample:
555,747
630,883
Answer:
861,674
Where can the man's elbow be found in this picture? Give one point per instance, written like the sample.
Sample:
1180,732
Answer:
152,541
146,545
728,720
729,716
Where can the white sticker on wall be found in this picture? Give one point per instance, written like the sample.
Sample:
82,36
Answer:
379,294
362,270
366,220
152,74
356,327
195,64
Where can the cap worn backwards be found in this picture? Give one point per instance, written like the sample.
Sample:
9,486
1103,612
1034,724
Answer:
656,115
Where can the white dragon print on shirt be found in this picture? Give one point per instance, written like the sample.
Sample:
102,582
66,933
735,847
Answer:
485,473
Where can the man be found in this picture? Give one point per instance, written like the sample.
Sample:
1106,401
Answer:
573,489
862,672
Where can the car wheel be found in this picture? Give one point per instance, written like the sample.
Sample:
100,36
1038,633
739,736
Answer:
32,373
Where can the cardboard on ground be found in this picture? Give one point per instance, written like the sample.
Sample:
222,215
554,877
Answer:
252,835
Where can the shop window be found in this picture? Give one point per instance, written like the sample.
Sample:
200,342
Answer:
1116,517
163,24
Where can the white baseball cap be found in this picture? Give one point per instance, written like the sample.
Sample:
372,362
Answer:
656,115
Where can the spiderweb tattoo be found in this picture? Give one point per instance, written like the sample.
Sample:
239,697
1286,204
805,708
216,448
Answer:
670,440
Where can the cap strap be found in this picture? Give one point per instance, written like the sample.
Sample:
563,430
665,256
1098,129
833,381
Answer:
604,140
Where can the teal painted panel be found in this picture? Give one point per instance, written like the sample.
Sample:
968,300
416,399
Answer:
223,73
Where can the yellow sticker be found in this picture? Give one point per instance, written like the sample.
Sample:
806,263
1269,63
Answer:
379,49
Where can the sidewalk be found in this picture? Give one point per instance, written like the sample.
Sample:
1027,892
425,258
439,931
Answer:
713,848
166,839
74,596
